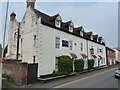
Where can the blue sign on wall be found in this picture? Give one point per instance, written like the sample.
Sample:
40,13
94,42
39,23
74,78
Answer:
64,43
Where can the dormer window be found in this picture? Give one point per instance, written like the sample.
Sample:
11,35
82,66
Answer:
71,26
91,37
58,21
82,32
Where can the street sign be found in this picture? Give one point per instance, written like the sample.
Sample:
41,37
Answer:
2,60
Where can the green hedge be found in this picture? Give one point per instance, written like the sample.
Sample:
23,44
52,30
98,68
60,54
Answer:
90,63
79,65
65,66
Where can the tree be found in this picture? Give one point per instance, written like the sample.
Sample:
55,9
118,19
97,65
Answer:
0,50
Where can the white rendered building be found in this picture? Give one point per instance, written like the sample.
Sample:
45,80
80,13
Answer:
42,38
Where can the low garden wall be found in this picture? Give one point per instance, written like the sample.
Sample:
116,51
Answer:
16,69
19,71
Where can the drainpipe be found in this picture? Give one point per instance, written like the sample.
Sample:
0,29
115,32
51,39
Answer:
87,47
18,41
73,64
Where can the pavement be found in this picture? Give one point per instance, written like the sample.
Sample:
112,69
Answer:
102,78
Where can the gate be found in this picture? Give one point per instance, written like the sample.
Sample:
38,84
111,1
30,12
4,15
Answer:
32,73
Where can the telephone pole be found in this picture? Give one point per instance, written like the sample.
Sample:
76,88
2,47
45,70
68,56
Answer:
4,41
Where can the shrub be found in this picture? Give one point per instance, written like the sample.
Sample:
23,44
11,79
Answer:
90,63
8,77
65,66
79,65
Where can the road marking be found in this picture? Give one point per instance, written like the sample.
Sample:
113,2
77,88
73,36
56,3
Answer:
82,79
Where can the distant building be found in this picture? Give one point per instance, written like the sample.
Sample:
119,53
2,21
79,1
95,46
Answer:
117,54
40,38
110,53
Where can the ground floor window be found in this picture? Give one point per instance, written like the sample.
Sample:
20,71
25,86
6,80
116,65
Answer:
56,63
85,63
33,59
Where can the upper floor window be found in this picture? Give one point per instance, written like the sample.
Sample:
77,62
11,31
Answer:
34,40
101,50
58,21
15,36
81,47
57,42
97,50
33,21
71,45
71,26
82,32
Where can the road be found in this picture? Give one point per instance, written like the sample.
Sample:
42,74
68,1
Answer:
103,78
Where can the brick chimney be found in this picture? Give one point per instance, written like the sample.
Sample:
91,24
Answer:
12,16
31,3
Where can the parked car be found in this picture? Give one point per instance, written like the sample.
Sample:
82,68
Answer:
117,73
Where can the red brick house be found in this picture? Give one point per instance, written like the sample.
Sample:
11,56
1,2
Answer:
110,56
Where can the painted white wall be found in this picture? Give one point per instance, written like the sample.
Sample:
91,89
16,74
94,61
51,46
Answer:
12,40
49,52
45,51
117,55
28,50
95,46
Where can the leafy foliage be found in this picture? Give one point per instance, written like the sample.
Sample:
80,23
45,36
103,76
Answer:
79,65
90,63
8,77
65,66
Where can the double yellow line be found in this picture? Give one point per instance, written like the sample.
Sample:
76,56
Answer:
59,86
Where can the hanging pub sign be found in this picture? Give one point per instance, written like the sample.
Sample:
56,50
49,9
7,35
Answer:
91,51
64,43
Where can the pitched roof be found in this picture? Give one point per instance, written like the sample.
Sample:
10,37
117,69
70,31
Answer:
55,16
49,21
78,28
88,33
95,36
67,23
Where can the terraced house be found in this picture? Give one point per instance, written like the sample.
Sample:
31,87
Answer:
40,38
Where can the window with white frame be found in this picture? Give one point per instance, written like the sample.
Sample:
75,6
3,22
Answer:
71,26
15,36
97,50
91,37
57,42
33,21
34,40
56,63
81,33
58,22
81,47
23,25
71,45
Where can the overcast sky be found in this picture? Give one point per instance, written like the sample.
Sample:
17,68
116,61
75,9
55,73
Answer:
99,17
